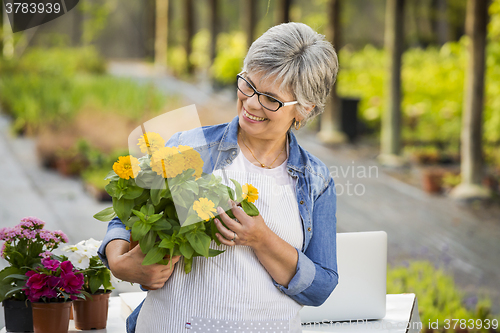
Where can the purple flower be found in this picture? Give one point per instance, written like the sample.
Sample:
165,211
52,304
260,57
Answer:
50,264
46,254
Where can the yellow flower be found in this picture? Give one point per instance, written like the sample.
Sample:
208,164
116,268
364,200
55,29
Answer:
167,162
127,166
151,140
205,208
193,160
250,193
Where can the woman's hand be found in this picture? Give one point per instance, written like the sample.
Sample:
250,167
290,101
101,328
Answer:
127,265
277,256
248,230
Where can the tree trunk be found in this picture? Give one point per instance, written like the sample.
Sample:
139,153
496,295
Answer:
472,118
331,118
76,33
391,117
161,33
214,28
189,27
250,8
284,11
8,37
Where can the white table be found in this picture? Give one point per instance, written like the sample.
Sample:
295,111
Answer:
401,317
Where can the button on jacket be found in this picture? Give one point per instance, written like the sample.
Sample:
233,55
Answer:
316,274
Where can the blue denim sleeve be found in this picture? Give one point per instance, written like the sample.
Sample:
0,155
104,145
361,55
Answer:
116,230
316,274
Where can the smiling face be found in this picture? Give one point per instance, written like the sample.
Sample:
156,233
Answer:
259,122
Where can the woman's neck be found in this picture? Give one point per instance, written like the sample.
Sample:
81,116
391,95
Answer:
270,152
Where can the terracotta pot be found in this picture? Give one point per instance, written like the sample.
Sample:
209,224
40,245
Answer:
432,180
18,316
51,317
91,314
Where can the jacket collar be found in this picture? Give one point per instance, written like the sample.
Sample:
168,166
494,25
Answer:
229,141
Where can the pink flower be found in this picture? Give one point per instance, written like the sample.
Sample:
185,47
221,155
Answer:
46,254
50,264
61,235
32,222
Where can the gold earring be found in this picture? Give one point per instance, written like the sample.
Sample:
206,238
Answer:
295,125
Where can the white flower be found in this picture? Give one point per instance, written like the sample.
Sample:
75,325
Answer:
79,261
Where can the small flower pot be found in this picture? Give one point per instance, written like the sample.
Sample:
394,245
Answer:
18,316
432,180
91,314
51,317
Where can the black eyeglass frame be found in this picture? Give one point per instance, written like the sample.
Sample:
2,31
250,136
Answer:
255,91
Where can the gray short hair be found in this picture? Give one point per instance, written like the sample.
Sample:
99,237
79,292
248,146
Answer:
300,60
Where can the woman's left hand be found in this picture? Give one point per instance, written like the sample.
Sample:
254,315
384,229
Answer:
248,230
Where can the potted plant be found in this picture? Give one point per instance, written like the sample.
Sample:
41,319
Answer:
51,287
92,312
23,248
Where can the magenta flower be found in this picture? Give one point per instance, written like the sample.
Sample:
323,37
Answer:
50,264
72,283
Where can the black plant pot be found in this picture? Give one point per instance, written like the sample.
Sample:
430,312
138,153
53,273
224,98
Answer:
18,316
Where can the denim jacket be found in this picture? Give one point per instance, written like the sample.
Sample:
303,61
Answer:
316,273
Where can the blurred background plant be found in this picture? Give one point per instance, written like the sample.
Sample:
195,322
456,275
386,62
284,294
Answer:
438,296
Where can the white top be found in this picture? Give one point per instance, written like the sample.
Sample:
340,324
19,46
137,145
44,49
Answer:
233,292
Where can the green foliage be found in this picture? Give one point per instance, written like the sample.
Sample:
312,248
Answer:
231,50
438,297
52,85
432,84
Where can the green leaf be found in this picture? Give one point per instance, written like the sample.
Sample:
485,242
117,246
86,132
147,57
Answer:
154,217
200,242
157,187
112,189
230,192
167,243
139,230
186,250
17,276
105,215
239,191
190,220
249,208
170,211
161,224
188,265
192,186
213,253
132,192
148,241
94,284
112,176
130,222
154,256
13,291
123,208
139,214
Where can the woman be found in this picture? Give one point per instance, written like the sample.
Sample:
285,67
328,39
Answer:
275,262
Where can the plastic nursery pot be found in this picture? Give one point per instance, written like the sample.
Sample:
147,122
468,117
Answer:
18,316
51,317
91,314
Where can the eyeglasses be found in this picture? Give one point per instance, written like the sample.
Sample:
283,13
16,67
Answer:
267,101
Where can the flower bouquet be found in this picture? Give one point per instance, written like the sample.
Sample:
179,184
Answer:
168,203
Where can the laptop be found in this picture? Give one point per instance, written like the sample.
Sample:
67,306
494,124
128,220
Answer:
361,291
